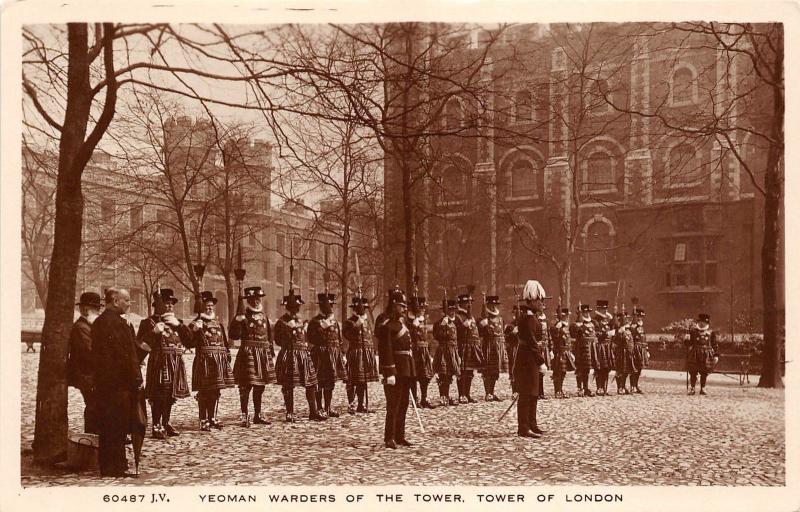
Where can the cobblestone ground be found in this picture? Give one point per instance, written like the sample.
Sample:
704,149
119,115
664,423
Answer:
734,436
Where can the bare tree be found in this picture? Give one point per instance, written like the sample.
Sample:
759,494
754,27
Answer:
743,115
71,81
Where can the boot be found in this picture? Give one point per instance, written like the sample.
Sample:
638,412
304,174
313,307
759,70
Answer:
205,426
245,419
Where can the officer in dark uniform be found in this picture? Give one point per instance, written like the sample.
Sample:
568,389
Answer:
325,336
563,360
423,361
447,361
362,367
79,359
528,363
293,366
254,367
469,348
397,369
603,349
492,332
211,369
585,338
166,379
701,352
641,356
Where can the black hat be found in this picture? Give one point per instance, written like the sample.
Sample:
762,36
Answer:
90,299
167,295
292,299
465,297
253,291
396,296
704,317
638,312
418,302
492,300
585,308
564,311
621,314
357,301
326,298
602,304
207,297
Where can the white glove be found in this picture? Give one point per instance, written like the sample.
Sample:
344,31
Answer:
484,322
543,368
159,328
239,318
390,380
197,324
612,332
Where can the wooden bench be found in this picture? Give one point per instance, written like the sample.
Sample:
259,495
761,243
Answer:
734,364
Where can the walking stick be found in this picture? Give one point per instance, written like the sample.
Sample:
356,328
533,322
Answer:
416,411
513,401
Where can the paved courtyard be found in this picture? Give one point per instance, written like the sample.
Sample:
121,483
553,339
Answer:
735,436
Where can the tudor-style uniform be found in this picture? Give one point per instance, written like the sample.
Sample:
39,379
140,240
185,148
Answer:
166,373
294,366
641,356
492,333
362,366
254,367
701,352
469,348
603,350
511,333
582,330
623,352
545,347
397,369
325,336
211,369
447,361
423,361
563,359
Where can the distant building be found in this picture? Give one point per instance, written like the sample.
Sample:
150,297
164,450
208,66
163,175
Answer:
657,216
115,205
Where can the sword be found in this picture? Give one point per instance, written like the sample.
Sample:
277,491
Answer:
416,412
513,401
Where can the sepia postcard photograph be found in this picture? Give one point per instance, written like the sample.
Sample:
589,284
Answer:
470,256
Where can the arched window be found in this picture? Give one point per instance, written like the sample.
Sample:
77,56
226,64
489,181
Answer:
683,86
597,244
453,114
523,179
683,167
522,252
523,106
598,173
452,246
454,186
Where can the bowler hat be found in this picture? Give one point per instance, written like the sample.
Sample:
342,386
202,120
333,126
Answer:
90,299
704,317
492,300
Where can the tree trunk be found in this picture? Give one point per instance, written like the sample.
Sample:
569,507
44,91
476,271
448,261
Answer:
771,357
50,434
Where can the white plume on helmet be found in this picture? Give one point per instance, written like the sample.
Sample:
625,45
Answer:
533,291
